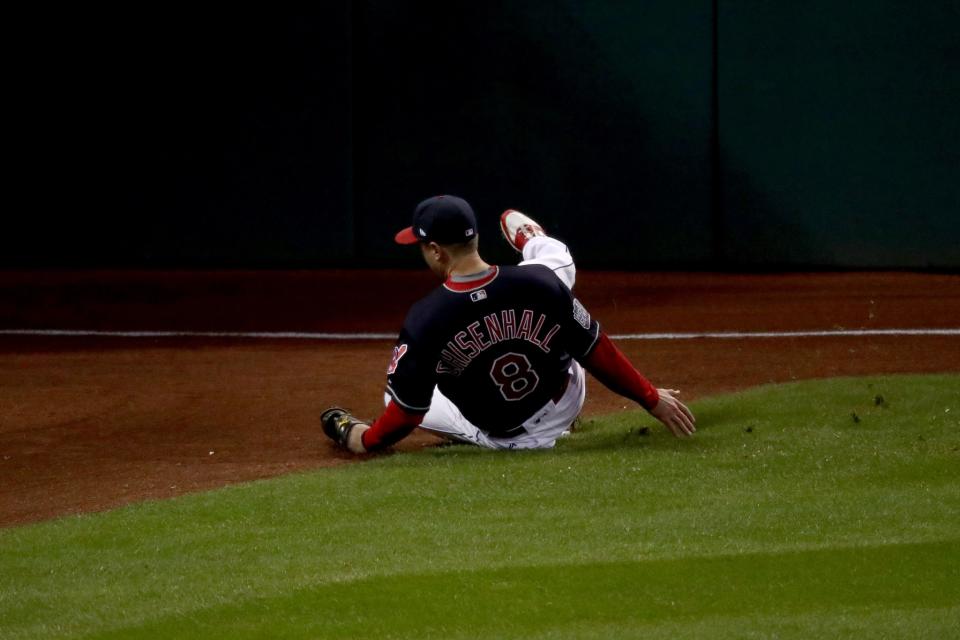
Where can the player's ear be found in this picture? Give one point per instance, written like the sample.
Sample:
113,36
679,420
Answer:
436,250
431,252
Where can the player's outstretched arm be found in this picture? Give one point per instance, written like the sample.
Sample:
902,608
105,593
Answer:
357,436
612,368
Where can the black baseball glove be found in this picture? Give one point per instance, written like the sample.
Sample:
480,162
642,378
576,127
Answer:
338,424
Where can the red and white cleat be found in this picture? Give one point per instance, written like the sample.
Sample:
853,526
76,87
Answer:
518,228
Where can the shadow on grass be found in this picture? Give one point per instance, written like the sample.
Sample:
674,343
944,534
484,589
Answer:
627,430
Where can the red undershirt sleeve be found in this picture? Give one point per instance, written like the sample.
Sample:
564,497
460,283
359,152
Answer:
393,426
608,365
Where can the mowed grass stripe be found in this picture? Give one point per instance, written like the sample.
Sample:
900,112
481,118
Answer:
772,472
518,601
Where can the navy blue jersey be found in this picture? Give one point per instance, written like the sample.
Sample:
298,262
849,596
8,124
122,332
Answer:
498,347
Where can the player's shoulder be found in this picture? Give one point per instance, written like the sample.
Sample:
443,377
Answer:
538,280
427,313
533,274
428,302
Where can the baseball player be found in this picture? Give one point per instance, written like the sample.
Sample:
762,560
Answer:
495,356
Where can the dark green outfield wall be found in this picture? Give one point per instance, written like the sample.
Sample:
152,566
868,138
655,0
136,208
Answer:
655,134
840,133
595,119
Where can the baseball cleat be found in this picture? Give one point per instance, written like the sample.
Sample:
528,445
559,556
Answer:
518,228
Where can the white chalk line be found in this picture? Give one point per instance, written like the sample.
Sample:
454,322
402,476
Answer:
255,335
736,335
346,337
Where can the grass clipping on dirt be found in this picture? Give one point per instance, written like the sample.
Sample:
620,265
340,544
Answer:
817,509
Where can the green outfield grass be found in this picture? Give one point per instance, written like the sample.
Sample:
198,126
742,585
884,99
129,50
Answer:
784,517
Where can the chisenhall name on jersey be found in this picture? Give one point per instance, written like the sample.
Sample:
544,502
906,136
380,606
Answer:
498,327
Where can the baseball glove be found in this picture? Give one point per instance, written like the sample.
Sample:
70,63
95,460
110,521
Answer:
344,429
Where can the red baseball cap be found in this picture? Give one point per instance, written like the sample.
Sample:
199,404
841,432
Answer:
440,219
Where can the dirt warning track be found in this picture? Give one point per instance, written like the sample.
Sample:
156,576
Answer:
94,422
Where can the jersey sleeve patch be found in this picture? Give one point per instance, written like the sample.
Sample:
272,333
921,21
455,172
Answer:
398,352
410,374
581,315
582,330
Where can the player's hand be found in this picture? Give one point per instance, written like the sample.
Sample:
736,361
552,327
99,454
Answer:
674,414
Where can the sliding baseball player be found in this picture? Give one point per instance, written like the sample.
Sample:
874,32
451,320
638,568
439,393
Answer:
495,356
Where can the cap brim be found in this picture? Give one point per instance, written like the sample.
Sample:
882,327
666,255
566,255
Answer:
405,236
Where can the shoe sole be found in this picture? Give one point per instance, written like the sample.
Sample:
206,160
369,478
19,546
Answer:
506,234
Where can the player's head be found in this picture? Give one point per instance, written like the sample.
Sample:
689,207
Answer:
446,220
446,228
